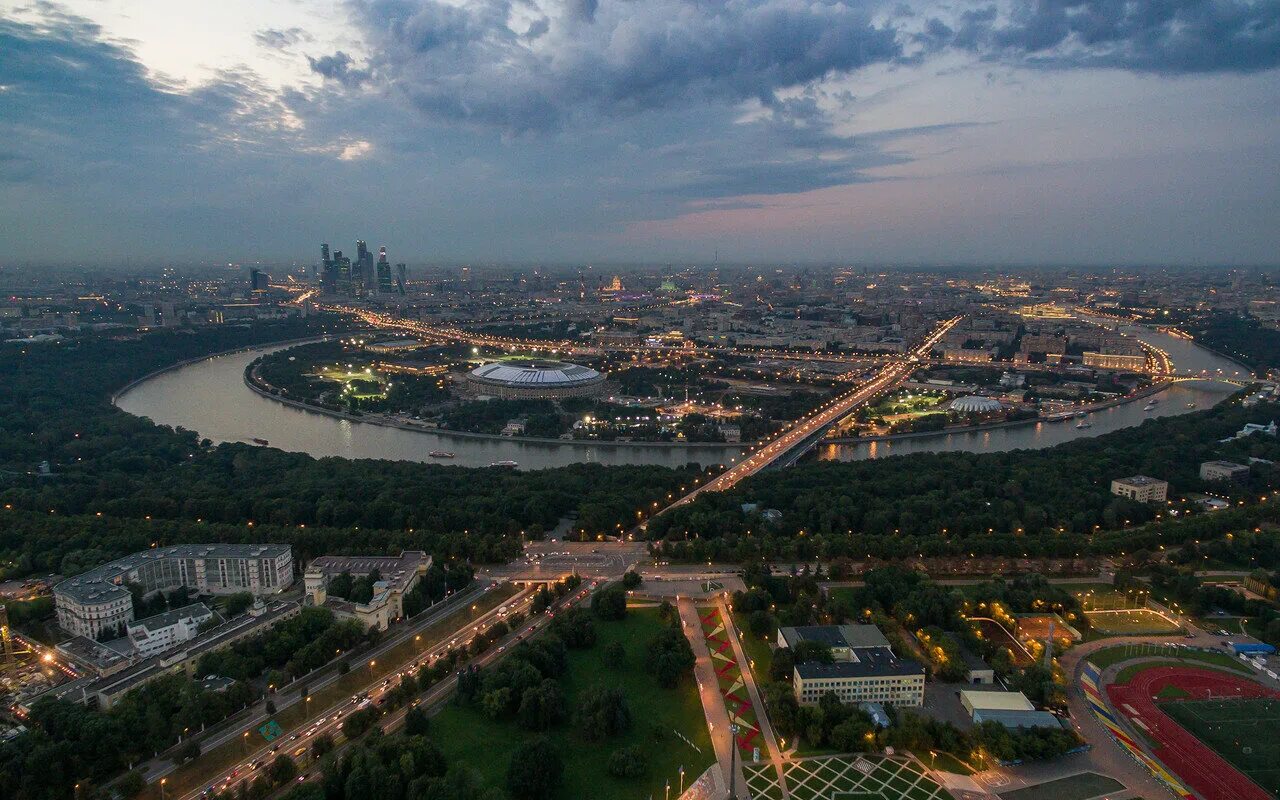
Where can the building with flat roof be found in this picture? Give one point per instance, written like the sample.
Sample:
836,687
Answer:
975,700
1018,719
99,600
162,631
1142,488
397,575
1224,471
865,669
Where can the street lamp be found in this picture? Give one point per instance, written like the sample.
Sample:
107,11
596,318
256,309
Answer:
162,783
733,762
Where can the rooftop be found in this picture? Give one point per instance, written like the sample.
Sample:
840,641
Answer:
98,584
836,636
871,662
535,374
1139,480
197,611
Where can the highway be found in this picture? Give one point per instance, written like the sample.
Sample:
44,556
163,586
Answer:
329,720
331,723
818,420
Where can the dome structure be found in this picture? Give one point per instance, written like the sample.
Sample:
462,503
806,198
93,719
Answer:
974,404
535,378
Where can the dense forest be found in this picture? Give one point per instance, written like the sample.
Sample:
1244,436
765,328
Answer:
120,483
1010,503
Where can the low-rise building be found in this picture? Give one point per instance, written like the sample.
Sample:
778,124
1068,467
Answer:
976,700
157,634
396,576
1142,488
1224,471
1117,361
865,669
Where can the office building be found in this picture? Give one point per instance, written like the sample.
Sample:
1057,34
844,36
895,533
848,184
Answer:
384,272
99,600
1142,488
400,278
162,631
1224,471
865,669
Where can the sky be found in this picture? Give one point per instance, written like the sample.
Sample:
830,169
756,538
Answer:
1037,132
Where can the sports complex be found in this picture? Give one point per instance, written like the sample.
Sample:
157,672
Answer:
1205,731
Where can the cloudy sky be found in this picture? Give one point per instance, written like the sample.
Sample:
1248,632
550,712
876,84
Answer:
904,131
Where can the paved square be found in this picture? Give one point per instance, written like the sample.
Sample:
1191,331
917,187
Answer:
846,778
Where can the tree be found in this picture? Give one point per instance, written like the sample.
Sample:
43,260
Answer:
610,604
416,722
669,657
189,750
602,712
542,706
282,769
631,580
810,650
628,762
666,611
615,655
536,771
132,784
238,603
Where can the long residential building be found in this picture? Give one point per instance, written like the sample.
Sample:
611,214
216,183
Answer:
99,600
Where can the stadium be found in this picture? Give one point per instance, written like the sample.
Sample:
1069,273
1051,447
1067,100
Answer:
535,379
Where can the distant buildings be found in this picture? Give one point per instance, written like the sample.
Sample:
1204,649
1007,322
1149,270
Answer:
865,669
99,600
1142,488
340,276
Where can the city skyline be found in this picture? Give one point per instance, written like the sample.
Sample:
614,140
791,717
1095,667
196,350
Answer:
1073,134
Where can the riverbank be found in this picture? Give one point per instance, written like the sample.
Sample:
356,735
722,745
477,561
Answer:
118,393
1154,388
263,389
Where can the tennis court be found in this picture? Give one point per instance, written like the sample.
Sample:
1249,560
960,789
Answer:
860,777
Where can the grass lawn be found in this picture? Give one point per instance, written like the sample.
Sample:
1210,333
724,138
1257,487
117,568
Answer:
945,762
1244,732
469,736
1114,655
757,650
215,761
855,777
1135,622
1073,787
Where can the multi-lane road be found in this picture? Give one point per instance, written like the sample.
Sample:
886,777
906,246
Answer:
328,721
810,426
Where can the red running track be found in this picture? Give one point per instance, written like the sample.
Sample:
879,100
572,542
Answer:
1208,773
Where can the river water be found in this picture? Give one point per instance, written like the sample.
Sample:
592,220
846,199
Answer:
210,397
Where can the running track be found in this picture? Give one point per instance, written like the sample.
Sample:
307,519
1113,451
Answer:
1194,762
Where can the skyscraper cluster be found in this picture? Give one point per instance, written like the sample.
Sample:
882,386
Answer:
339,275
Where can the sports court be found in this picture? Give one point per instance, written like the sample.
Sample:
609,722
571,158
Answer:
868,777
1244,731
1194,762
1130,622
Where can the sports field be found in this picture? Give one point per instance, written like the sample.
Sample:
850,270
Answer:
1131,622
855,777
1081,786
1245,732
1195,761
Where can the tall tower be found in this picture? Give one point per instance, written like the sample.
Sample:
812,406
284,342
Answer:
328,271
384,272
364,267
400,268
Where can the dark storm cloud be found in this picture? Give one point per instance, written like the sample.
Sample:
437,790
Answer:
338,67
467,64
281,39
1159,36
